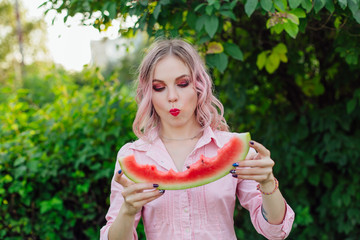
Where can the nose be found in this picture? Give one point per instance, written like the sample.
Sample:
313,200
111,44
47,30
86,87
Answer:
172,95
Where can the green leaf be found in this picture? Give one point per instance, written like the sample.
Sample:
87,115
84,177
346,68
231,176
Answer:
112,10
343,3
291,28
214,48
283,58
294,3
209,10
157,11
211,25
280,5
234,51
272,63
261,59
19,161
200,21
278,28
191,19
300,13
229,14
144,2
165,2
318,5
266,4
176,21
197,8
250,7
307,5
351,105
280,49
7,178
327,180
219,61
293,18
354,7
330,6
337,22
314,179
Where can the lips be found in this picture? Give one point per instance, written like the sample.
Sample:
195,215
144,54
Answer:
174,111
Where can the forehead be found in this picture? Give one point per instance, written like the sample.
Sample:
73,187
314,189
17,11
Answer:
170,67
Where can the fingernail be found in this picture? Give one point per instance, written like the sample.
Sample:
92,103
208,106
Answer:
162,191
232,171
119,172
235,165
234,175
155,185
251,142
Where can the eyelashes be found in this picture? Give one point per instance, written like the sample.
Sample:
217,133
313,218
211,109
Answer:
183,83
158,88
161,87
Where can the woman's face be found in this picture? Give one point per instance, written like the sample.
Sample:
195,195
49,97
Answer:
174,97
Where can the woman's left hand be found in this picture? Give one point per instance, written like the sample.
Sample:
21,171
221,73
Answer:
257,166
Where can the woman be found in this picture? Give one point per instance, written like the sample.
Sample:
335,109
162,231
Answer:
178,120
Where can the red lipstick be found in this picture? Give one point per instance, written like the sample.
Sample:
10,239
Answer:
174,111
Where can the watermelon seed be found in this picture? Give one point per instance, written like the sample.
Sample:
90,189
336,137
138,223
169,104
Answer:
188,167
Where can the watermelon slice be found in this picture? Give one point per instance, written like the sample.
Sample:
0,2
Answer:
203,171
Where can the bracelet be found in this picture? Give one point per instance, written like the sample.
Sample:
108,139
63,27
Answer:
265,193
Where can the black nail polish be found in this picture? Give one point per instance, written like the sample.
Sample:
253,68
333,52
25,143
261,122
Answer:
119,172
235,165
251,142
155,185
234,175
162,191
232,171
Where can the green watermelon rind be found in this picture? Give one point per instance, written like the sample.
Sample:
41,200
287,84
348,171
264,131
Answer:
243,137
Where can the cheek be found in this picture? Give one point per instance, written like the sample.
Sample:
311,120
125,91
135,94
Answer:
156,101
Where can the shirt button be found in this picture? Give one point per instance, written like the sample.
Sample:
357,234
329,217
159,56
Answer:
186,210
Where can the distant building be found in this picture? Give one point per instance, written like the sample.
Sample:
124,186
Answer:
106,52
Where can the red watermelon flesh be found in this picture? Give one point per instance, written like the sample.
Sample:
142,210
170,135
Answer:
203,171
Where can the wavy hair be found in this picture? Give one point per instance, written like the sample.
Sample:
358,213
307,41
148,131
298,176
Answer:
209,110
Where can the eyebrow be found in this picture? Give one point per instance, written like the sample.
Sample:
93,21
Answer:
184,75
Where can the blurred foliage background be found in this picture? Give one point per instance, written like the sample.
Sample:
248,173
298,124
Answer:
286,71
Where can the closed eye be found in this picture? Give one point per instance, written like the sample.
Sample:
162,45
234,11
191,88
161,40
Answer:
158,88
183,83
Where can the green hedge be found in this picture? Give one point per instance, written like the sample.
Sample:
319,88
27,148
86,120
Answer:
56,161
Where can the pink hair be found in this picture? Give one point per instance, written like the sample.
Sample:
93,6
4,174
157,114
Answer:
209,110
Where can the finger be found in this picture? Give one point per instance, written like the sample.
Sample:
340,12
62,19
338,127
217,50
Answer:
122,180
264,162
143,202
143,196
252,171
138,188
260,148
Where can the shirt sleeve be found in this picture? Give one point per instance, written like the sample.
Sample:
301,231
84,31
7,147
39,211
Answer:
250,198
116,199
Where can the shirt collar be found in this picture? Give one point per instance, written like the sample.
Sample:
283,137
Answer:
207,137
156,150
153,136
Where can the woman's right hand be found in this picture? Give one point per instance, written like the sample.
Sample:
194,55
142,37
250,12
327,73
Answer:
136,195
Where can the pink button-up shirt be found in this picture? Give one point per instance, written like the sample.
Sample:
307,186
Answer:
204,212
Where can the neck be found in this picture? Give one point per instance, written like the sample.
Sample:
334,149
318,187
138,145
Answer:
181,139
181,134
